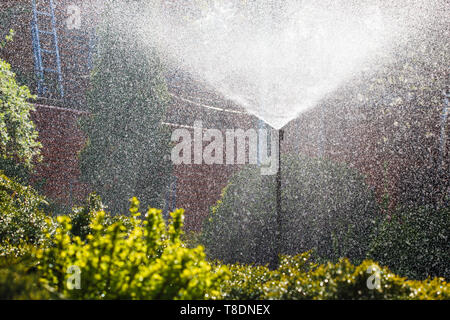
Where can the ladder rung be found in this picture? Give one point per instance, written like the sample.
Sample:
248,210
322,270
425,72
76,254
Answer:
46,32
50,70
48,51
44,13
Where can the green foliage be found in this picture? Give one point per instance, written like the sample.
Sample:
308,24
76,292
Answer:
18,136
127,142
414,242
16,170
9,165
18,281
82,216
148,262
191,239
325,206
22,220
8,38
298,278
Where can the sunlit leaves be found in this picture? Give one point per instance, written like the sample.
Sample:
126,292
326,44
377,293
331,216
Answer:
148,261
299,278
18,137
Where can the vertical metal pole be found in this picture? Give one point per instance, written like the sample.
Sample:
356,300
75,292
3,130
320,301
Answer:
71,192
442,144
174,193
261,126
322,131
279,218
166,209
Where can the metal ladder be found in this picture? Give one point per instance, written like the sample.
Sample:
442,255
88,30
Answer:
50,31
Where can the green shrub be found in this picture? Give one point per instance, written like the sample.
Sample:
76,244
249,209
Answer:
325,206
148,262
16,284
82,216
15,170
19,280
298,278
415,242
18,136
22,220
191,239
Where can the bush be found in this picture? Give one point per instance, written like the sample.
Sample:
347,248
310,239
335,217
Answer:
22,220
415,242
19,280
81,217
149,262
298,278
18,136
16,170
325,206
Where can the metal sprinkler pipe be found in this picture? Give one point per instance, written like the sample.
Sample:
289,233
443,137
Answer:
278,232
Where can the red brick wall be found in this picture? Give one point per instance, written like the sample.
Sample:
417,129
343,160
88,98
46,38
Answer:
61,142
198,188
